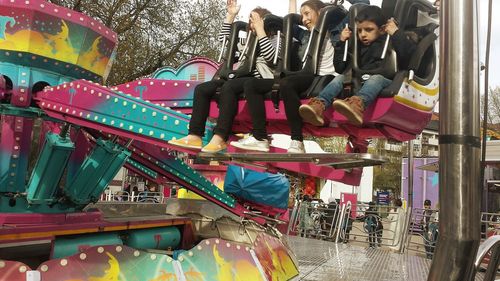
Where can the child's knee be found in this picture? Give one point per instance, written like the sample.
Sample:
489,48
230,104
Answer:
339,78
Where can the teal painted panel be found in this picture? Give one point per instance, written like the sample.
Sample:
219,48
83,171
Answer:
49,169
154,238
65,247
96,172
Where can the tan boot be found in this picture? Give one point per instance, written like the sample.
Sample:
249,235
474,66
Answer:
312,112
352,108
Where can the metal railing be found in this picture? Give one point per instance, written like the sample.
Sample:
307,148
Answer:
380,227
124,196
490,225
313,220
488,257
423,230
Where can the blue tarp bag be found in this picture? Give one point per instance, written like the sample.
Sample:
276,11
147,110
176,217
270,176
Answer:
263,188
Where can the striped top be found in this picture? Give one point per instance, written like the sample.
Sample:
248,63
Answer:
266,55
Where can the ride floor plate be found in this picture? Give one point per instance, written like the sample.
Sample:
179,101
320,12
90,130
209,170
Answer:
327,261
335,160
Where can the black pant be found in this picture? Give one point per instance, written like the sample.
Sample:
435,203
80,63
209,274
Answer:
290,89
203,94
228,105
255,90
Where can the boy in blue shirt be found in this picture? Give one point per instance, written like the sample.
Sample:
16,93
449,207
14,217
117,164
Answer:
372,29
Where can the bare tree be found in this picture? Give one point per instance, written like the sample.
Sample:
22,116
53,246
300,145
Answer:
493,106
388,175
155,33
331,144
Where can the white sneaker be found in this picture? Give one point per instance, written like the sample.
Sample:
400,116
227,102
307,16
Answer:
296,147
252,143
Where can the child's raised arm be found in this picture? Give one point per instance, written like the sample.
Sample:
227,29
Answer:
391,27
338,57
403,46
345,34
267,47
292,6
233,9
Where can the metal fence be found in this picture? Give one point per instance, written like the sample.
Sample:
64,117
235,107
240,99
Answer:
378,226
423,232
123,196
372,225
490,231
490,225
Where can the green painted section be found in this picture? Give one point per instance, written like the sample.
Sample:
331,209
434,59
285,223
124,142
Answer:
11,204
142,168
142,118
65,247
49,168
29,112
160,238
96,172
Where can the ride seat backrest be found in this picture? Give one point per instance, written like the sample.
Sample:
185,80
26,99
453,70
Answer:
290,48
388,7
272,24
292,63
422,62
248,59
229,57
329,16
406,12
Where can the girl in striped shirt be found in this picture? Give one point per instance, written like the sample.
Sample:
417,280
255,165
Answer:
230,89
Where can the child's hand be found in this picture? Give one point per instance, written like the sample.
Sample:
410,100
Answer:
345,35
391,27
232,7
258,24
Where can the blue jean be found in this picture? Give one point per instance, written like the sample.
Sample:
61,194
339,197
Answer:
372,87
332,90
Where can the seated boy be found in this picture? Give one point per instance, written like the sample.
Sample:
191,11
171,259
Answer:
371,29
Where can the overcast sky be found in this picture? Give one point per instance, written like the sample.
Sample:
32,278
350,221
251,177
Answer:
280,8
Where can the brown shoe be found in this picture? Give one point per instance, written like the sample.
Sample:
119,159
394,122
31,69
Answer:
312,112
352,108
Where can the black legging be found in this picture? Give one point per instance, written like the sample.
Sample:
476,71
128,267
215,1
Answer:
290,89
228,105
203,94
255,90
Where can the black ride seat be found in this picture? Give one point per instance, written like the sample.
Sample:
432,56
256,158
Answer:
288,62
272,23
389,66
292,64
423,61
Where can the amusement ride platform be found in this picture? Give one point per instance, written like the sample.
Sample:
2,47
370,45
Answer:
327,261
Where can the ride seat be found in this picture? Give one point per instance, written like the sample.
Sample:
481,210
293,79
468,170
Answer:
422,62
272,23
403,109
330,16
